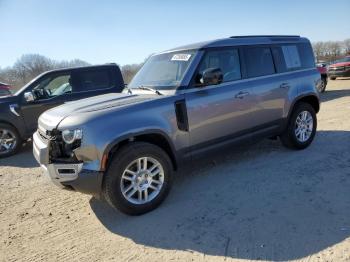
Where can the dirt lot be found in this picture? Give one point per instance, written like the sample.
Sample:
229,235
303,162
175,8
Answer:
257,202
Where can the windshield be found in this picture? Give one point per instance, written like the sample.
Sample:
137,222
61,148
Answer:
19,91
163,71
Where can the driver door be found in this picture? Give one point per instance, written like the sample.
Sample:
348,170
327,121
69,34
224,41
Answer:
50,91
219,113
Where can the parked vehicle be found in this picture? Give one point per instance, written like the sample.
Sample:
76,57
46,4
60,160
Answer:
19,113
322,69
340,69
182,103
5,89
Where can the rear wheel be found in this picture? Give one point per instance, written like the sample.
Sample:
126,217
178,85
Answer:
301,127
10,141
138,178
322,87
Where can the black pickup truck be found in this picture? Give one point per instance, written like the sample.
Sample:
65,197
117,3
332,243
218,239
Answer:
19,112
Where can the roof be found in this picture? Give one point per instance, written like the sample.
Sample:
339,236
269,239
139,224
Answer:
73,68
243,40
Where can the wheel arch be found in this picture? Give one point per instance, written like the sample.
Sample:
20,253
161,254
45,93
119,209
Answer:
156,137
19,131
311,99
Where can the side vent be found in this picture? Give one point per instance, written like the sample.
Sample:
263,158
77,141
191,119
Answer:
181,115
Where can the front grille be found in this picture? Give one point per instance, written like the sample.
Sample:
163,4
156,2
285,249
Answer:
43,136
46,135
339,68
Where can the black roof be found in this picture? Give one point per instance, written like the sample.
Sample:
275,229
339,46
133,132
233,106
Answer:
242,40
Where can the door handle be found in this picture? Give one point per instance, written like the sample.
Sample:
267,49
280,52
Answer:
241,94
284,85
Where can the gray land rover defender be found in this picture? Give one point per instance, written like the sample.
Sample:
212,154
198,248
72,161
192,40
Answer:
182,103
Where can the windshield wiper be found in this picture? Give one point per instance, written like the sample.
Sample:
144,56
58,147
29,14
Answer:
150,89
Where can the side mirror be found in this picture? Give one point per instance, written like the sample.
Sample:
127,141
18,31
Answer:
212,76
29,97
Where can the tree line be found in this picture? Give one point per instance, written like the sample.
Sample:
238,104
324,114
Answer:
330,51
29,66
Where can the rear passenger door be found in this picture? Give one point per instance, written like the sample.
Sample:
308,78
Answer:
269,89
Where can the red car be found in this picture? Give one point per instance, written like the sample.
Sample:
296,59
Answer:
5,89
322,68
340,69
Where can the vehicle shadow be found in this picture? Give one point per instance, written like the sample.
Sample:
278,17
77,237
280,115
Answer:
334,94
258,201
24,158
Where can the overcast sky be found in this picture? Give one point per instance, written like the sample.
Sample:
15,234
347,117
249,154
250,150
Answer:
128,31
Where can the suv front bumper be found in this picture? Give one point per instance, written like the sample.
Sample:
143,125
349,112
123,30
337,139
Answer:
71,175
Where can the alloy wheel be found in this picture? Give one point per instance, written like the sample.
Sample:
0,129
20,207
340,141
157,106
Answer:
7,141
142,180
303,126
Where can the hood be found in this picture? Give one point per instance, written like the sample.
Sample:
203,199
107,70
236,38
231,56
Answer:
8,99
51,118
340,64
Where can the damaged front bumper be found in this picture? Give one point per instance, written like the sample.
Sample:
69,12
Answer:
68,175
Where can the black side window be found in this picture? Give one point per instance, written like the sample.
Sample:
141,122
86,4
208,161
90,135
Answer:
279,59
93,80
227,60
307,55
291,57
258,61
53,85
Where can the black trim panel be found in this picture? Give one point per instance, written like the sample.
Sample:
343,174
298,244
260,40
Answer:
181,115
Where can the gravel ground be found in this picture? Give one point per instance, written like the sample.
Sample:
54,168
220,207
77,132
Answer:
256,202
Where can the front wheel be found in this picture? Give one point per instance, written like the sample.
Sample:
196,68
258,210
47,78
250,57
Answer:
301,127
138,178
10,141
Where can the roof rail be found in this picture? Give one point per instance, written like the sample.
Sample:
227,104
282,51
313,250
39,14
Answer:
254,36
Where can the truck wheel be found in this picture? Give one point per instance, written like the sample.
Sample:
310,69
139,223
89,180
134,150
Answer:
10,141
322,87
301,127
138,178
333,78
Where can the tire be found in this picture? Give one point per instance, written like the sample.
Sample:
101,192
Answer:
332,78
115,182
8,132
289,138
323,85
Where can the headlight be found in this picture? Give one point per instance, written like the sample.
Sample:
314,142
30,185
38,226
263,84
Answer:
69,136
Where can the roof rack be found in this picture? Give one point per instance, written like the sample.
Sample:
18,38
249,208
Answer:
254,36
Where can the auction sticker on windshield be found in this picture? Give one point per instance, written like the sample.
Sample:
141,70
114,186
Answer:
180,57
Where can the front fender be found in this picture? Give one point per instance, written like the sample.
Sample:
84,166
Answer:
103,133
7,117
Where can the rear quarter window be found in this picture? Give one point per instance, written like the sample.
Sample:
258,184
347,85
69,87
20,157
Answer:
291,57
95,80
307,55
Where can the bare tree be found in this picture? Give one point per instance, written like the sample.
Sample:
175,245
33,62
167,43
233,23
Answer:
346,44
29,66
319,50
331,50
129,71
